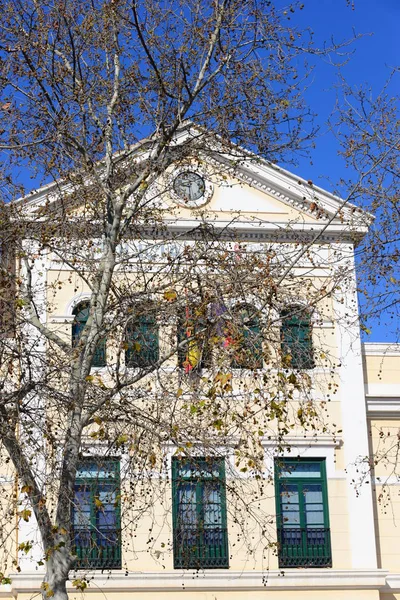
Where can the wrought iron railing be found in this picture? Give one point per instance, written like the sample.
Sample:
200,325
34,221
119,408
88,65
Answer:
97,550
309,547
201,549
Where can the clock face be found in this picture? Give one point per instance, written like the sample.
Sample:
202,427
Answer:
189,187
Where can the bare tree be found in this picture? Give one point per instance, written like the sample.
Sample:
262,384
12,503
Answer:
367,127
96,98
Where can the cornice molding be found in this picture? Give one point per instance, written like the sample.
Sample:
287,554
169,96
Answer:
383,407
254,231
381,349
288,579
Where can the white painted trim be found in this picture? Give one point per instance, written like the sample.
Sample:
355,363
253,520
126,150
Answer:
354,418
383,407
393,582
227,580
306,448
5,480
381,349
75,300
261,230
67,319
6,591
390,480
390,390
306,441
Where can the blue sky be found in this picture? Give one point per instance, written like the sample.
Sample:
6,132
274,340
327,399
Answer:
370,64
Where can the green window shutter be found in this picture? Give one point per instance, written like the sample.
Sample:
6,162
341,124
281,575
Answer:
199,514
81,314
302,513
96,516
296,339
142,341
247,340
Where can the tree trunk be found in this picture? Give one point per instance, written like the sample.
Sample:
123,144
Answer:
54,586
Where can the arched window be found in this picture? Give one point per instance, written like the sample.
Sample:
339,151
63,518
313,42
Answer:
142,341
81,314
243,337
296,338
195,354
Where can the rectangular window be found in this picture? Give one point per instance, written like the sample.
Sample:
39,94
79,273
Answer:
199,514
96,517
302,513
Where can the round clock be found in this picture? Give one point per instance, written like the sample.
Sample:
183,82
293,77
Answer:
191,189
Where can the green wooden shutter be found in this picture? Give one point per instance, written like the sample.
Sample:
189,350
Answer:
199,514
142,342
302,513
296,340
248,347
81,314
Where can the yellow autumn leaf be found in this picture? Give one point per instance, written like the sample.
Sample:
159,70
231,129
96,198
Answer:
122,439
25,514
170,295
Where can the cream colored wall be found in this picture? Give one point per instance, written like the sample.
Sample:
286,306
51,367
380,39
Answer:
137,553
382,368
232,198
384,449
141,556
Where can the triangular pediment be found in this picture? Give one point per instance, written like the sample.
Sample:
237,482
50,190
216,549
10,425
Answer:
244,189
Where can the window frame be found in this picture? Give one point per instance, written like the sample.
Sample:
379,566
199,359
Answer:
201,556
304,554
91,558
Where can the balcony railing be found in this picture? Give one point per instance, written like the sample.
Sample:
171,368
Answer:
201,549
97,550
309,547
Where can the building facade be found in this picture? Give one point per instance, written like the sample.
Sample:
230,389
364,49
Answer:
330,513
